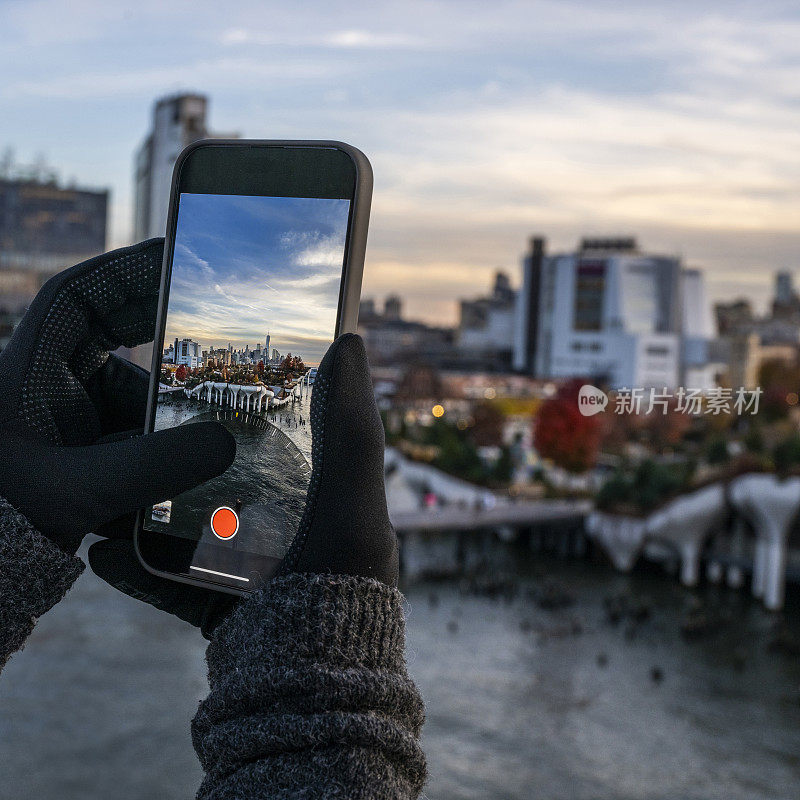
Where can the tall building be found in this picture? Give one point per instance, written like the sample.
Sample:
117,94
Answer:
733,317
786,303
784,288
187,352
177,122
487,325
526,328
44,228
607,312
699,368
393,308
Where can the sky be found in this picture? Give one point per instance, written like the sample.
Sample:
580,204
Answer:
675,122
248,266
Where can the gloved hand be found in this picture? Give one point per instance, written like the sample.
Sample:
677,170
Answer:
71,457
345,528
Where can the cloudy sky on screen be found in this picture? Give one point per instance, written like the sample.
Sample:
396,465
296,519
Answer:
677,122
248,266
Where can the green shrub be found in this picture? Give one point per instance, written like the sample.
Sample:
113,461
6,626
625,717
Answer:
717,450
650,484
787,454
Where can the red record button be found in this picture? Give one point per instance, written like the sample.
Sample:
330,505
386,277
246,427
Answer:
224,523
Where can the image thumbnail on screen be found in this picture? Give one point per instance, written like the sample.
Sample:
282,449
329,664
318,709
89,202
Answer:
252,309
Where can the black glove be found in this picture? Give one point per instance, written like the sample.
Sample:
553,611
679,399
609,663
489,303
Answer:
70,411
345,528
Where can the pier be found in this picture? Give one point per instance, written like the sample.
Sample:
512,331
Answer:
246,397
748,526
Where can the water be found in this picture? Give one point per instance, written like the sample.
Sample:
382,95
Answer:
522,702
266,483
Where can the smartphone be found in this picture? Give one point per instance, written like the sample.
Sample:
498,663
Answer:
263,261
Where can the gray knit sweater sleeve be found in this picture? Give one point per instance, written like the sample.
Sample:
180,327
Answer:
310,697
35,574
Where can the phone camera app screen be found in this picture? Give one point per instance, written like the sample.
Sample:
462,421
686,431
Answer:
252,309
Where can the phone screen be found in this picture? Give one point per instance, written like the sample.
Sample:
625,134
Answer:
252,308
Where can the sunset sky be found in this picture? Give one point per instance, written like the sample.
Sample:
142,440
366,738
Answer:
248,266
676,122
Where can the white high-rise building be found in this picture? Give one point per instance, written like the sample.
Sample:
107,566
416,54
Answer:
698,330
606,312
187,352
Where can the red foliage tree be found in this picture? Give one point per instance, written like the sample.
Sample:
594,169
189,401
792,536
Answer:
180,373
563,434
292,364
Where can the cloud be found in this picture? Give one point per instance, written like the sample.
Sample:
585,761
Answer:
325,254
235,274
484,122
341,39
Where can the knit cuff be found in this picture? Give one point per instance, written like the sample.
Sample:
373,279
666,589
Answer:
35,574
337,620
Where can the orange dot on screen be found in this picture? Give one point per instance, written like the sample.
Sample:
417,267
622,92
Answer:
224,522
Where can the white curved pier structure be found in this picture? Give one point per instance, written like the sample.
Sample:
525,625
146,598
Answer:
772,506
233,395
621,537
686,523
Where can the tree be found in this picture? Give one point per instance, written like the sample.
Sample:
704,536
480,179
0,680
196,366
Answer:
650,485
563,434
503,468
260,368
778,380
292,364
787,454
180,373
717,450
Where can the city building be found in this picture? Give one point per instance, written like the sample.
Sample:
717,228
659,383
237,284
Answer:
391,340
700,363
191,354
44,228
178,121
393,308
187,352
526,325
733,316
784,289
607,312
786,303
747,354
487,325
752,341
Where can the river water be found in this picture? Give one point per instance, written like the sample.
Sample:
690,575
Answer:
266,483
522,701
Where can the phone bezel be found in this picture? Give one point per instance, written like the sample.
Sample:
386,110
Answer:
160,553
